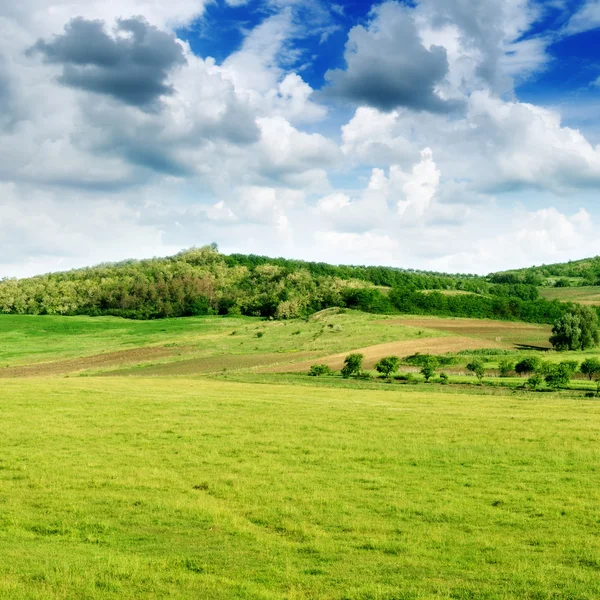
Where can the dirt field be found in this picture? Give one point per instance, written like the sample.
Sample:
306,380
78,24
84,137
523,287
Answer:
214,364
505,334
373,353
109,359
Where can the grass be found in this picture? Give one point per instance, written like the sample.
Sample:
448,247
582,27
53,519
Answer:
37,339
156,488
582,295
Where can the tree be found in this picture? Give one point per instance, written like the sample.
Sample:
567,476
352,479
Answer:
352,365
528,365
559,375
388,365
591,368
444,379
477,368
429,367
577,329
505,367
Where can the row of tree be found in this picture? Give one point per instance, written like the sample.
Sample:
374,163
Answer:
202,281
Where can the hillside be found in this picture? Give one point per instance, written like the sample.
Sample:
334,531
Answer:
202,281
573,273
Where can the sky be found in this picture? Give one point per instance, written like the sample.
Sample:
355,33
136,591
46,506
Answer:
449,135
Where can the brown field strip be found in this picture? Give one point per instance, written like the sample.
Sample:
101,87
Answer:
98,361
212,364
373,353
505,333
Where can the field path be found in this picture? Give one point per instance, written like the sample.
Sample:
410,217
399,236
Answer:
405,348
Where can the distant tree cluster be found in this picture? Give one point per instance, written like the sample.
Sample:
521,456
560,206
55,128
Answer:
201,281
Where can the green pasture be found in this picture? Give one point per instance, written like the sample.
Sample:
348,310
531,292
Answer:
189,488
29,339
587,294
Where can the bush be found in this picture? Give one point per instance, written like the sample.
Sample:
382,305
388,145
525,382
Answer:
318,370
352,365
535,381
444,379
528,365
259,334
559,375
505,367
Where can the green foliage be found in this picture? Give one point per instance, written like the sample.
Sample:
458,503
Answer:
559,375
577,329
429,367
201,281
535,381
352,365
319,370
388,365
505,367
444,379
477,367
420,360
590,367
528,365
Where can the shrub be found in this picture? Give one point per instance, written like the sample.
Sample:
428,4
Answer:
444,379
259,334
559,375
535,381
352,365
318,370
505,367
528,365
388,365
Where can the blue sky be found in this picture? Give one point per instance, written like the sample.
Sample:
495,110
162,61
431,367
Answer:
455,135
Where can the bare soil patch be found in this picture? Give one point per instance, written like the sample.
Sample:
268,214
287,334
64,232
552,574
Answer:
212,364
98,361
405,348
507,334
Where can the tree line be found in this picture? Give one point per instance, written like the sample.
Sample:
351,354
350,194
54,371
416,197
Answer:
201,281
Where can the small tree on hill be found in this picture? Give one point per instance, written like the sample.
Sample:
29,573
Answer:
477,368
577,329
388,365
429,367
590,367
528,365
352,365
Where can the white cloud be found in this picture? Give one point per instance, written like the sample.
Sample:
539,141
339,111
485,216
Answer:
585,19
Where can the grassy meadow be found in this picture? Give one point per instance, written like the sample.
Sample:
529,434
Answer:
197,471
587,294
208,489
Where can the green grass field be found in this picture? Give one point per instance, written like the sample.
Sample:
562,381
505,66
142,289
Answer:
206,477
582,295
207,489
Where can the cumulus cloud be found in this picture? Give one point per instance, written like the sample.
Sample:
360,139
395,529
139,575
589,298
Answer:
388,66
132,66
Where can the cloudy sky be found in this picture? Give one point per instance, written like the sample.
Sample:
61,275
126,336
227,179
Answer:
455,135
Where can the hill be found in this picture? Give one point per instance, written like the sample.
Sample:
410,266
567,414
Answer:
573,273
202,281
